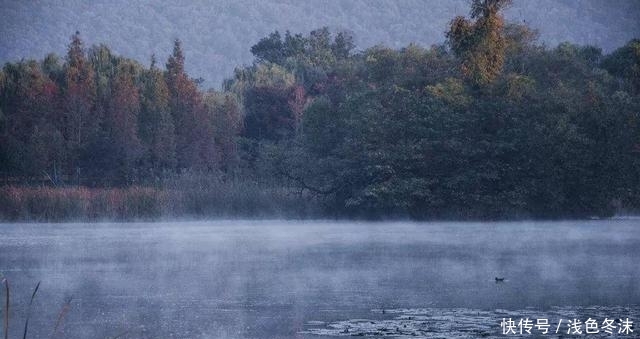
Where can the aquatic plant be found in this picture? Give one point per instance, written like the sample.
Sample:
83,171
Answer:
5,319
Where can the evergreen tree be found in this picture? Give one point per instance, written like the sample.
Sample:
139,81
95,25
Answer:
157,131
81,120
121,122
195,145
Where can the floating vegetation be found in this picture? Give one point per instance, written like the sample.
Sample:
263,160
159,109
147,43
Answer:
466,323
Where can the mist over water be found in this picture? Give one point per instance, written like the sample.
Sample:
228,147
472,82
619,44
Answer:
269,279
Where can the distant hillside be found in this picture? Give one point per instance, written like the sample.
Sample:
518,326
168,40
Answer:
217,35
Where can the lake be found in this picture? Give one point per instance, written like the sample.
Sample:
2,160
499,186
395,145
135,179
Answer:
295,279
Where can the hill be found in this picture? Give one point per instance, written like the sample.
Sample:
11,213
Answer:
217,35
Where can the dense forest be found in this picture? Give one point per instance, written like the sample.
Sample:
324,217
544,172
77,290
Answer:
490,124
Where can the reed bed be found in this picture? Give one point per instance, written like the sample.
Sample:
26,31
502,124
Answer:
79,203
183,197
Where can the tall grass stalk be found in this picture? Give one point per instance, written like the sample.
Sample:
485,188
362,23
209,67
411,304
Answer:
26,322
63,312
6,308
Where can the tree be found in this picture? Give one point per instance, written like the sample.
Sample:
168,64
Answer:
105,66
342,45
225,111
269,114
81,122
480,44
156,128
30,141
625,63
195,144
270,49
121,121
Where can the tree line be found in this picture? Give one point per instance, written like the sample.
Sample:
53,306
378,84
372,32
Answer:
102,119
489,124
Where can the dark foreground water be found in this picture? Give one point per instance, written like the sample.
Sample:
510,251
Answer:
287,279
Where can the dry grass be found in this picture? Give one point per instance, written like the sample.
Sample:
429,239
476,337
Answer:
80,203
198,195
186,196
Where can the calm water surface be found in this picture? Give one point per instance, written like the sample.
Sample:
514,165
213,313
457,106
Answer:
289,279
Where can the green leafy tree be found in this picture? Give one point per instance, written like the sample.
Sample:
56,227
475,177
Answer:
225,111
31,142
625,63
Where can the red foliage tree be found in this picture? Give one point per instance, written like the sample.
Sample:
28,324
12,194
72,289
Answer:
195,145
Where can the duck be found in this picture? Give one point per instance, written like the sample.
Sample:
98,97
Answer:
499,279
